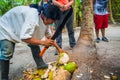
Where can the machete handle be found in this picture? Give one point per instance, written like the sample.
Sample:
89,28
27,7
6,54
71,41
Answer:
43,51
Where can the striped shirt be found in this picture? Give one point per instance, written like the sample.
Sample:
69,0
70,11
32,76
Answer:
100,7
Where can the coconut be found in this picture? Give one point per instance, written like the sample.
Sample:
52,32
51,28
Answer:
63,58
62,66
71,66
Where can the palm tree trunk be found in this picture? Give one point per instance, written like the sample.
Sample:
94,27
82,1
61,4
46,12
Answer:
111,15
86,35
84,53
75,21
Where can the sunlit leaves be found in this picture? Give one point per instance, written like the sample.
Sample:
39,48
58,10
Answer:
6,5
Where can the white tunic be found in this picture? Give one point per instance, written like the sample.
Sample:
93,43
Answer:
22,22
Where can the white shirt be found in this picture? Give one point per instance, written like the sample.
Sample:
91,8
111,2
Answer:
22,22
100,7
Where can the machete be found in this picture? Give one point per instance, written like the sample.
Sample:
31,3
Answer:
58,31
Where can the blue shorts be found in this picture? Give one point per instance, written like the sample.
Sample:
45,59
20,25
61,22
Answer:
6,49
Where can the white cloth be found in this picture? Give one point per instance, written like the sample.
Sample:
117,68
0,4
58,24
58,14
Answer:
22,22
100,7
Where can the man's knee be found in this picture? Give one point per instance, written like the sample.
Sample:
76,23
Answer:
7,49
6,55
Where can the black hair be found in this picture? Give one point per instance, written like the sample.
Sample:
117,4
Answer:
52,12
36,6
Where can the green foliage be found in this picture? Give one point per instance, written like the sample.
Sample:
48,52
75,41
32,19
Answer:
115,4
78,8
6,5
18,2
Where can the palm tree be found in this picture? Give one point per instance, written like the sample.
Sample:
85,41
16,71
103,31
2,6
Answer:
84,53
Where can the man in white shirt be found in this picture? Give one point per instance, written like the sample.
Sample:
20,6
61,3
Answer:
29,25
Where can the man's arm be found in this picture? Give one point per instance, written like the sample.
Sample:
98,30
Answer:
70,3
47,42
55,2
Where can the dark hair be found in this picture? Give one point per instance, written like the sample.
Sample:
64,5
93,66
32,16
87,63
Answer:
36,6
52,12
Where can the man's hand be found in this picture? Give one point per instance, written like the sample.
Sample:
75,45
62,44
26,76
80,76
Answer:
65,7
48,42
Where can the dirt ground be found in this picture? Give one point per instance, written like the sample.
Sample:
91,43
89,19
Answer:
109,52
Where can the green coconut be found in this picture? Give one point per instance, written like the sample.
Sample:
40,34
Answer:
71,66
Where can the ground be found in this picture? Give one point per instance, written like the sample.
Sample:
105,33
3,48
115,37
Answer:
108,52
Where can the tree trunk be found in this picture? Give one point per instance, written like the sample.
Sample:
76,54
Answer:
84,53
75,21
111,15
28,2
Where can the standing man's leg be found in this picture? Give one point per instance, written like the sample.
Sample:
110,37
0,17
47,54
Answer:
103,32
105,25
70,29
97,36
98,19
38,60
97,33
57,24
103,35
6,53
